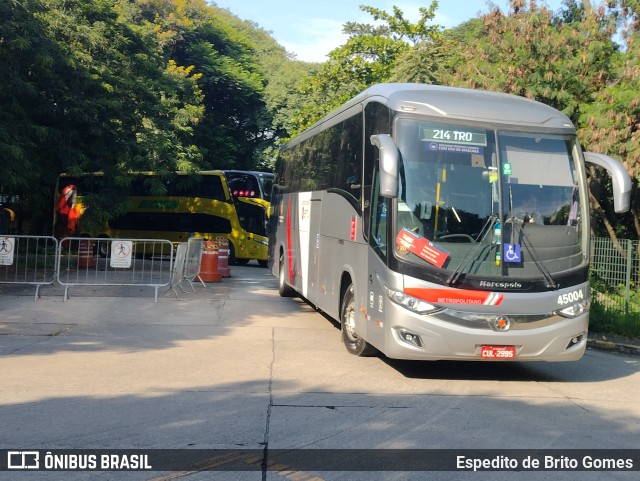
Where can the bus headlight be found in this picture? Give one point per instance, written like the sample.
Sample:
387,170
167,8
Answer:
574,310
409,302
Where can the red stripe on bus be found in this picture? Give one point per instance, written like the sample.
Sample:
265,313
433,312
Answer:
289,256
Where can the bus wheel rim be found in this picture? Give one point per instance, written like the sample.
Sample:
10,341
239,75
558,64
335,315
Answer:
350,323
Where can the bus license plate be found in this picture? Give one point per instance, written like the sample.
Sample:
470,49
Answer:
498,352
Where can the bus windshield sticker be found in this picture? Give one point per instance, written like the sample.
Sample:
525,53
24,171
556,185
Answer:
422,247
457,149
512,253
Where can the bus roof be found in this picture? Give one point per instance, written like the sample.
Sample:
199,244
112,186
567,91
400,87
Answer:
456,103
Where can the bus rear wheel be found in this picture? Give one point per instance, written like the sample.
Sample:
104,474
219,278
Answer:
354,343
103,246
283,288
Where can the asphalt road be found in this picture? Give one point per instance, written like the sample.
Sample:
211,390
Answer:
234,366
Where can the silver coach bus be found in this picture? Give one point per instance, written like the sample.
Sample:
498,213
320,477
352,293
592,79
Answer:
441,223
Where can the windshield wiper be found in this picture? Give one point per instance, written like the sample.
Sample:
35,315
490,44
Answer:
551,283
526,242
471,254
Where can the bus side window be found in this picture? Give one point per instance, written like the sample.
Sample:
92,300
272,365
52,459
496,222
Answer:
211,187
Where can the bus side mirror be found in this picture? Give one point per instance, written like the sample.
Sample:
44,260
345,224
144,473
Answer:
620,180
389,156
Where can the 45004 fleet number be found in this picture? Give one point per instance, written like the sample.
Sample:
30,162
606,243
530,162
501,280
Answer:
570,297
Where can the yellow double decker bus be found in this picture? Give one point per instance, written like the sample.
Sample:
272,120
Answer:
199,205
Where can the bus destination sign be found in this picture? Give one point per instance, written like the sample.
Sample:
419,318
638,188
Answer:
447,138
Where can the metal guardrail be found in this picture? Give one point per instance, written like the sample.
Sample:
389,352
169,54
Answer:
29,260
615,274
114,262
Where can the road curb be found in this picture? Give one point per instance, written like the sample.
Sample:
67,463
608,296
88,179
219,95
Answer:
619,347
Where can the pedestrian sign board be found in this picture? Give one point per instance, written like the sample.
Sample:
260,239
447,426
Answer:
7,245
121,252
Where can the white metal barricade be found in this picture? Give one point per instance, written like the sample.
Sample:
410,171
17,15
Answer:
177,271
193,261
114,262
187,264
28,260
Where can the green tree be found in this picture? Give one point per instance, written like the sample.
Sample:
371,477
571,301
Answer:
368,57
126,106
29,90
281,93
87,92
531,53
609,124
426,62
193,33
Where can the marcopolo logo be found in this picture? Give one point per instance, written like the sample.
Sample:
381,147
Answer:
23,460
501,285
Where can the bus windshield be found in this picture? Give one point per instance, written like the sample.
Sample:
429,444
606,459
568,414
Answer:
247,184
483,202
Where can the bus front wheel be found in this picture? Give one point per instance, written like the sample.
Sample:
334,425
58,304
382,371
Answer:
233,260
354,343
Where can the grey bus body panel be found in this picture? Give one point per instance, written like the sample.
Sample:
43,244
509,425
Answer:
490,108
332,253
322,248
322,236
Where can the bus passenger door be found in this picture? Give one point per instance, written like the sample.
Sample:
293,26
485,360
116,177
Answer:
315,205
379,226
305,254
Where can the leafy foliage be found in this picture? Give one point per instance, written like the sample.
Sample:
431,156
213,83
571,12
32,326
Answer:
530,52
368,57
165,85
122,85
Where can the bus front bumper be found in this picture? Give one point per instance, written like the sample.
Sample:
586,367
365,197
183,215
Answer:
424,337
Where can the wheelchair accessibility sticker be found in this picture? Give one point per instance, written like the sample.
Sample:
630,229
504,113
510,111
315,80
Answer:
512,253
